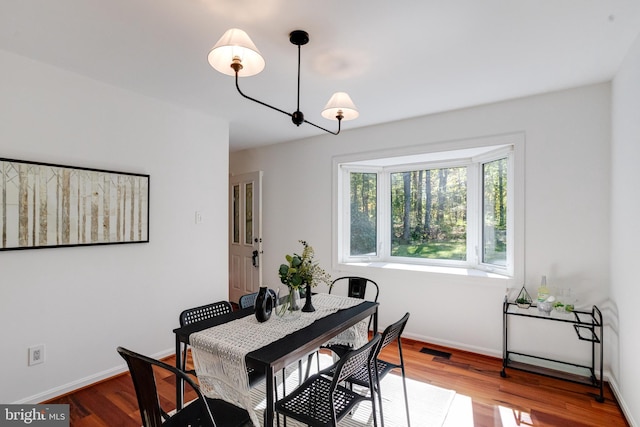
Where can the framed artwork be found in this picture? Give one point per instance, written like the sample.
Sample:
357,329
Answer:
45,206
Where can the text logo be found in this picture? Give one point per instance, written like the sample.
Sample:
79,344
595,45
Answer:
34,415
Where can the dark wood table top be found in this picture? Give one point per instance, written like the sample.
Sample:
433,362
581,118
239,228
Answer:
287,350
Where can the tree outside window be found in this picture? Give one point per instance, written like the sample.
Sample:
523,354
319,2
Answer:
429,213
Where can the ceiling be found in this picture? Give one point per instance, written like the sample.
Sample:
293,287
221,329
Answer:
397,59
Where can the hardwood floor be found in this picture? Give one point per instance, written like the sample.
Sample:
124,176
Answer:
521,399
535,400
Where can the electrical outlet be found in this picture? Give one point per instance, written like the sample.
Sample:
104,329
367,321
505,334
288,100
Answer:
36,354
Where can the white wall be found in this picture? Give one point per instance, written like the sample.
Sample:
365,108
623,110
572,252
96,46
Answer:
625,229
567,215
83,302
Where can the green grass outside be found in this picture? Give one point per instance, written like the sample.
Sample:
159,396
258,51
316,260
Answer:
433,250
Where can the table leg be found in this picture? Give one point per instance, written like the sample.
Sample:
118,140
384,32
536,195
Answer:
269,413
179,382
375,322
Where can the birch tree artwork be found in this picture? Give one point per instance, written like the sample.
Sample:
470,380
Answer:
44,205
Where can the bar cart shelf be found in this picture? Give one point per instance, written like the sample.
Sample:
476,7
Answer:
588,327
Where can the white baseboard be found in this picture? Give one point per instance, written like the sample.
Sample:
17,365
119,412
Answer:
83,382
453,344
623,405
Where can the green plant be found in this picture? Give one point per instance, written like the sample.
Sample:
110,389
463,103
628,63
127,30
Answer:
302,269
524,299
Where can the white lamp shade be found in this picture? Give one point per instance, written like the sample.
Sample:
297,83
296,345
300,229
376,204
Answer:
235,43
340,102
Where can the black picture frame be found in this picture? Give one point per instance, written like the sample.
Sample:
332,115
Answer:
45,205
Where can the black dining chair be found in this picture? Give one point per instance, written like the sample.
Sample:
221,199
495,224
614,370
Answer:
321,400
202,411
392,333
200,313
356,287
249,300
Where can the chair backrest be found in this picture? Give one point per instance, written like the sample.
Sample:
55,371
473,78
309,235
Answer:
196,314
144,382
393,332
249,300
357,286
354,360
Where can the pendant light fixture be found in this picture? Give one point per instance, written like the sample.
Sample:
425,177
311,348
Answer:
236,55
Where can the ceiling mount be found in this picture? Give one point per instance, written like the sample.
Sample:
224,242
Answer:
236,55
299,37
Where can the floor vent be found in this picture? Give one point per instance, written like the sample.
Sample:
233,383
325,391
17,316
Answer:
436,353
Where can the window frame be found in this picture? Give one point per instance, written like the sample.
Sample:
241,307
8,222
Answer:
482,160
510,146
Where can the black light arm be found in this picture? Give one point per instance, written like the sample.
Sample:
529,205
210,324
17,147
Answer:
298,38
320,127
258,101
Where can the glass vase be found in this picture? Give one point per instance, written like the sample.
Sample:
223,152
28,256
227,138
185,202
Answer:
288,306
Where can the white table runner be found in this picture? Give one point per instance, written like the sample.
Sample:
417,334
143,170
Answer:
219,352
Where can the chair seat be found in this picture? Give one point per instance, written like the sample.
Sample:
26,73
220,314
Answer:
310,403
339,349
195,414
361,377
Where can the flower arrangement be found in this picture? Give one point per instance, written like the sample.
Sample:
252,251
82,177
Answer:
302,269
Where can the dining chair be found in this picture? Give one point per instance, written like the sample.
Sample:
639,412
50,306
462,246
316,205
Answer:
356,287
202,411
321,400
392,333
249,300
197,314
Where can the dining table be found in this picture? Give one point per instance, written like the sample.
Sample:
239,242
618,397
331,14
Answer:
234,352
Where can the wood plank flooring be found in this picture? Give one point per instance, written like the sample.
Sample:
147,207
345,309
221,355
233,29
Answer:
521,399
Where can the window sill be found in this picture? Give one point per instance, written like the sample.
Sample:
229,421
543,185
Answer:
428,269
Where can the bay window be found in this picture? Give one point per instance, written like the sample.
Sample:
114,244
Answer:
453,208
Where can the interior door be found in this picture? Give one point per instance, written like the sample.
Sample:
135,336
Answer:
245,234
